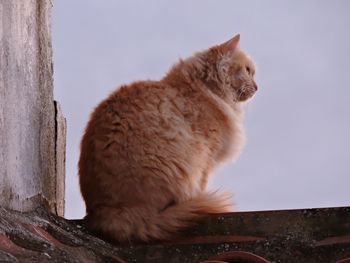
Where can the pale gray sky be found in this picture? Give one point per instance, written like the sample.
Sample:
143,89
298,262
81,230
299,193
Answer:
298,125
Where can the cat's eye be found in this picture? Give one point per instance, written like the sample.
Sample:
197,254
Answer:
248,70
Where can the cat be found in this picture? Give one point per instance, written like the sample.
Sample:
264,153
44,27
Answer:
149,147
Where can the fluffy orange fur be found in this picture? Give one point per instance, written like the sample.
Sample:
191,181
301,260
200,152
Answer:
149,147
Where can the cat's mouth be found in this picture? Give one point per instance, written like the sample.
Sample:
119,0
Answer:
247,92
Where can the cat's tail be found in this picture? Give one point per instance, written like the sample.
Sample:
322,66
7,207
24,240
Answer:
145,224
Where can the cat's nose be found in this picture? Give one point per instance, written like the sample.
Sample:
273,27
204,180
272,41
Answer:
255,87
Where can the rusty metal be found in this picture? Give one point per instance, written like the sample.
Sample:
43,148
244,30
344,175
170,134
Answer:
238,257
344,260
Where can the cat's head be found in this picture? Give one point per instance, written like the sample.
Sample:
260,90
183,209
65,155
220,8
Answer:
235,70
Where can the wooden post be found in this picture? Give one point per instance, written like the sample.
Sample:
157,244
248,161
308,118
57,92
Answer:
32,130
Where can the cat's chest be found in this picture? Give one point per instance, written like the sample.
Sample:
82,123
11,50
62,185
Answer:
225,134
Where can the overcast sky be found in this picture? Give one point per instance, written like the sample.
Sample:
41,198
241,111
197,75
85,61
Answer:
298,124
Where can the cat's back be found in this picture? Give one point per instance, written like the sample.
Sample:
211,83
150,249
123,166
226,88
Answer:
128,103
117,126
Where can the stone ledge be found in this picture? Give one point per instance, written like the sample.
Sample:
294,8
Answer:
308,235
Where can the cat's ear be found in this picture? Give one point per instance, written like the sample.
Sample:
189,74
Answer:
229,45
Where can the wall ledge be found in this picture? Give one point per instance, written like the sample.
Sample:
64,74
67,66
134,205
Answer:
305,235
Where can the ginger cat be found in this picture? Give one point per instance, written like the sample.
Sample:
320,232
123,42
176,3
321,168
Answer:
149,148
